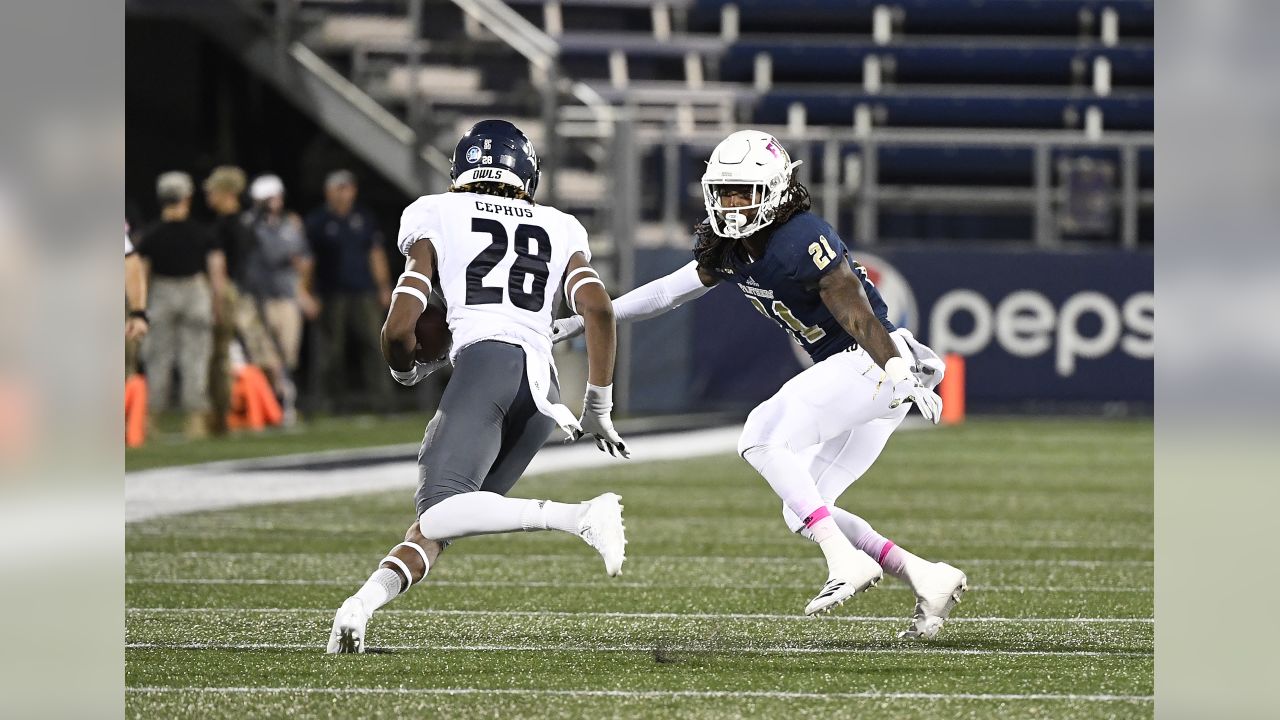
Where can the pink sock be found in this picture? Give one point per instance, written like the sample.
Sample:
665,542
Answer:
881,549
820,525
891,557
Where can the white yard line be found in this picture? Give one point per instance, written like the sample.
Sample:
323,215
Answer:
725,694
758,650
173,491
726,559
596,585
636,615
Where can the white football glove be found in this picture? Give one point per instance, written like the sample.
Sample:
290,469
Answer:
906,388
596,421
418,372
570,327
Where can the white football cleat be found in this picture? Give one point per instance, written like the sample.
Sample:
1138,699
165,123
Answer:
938,588
601,527
349,624
843,584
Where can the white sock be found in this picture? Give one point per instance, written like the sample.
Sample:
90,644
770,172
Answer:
837,549
383,585
484,513
551,515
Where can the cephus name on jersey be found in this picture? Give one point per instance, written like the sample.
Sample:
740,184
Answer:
783,285
500,262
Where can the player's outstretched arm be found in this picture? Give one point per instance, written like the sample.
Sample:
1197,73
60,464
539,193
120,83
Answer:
586,295
408,300
649,300
843,295
135,295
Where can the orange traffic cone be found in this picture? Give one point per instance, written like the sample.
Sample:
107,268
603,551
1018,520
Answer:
951,390
135,410
253,402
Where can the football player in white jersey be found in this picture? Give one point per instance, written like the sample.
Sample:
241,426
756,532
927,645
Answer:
825,427
499,260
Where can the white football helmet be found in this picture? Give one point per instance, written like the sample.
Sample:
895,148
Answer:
755,159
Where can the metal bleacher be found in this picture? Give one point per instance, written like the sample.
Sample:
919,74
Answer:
955,120
922,119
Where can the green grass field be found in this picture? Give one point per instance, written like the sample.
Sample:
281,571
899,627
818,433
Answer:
229,611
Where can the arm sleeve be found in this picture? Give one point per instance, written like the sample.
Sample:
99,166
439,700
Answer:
661,295
420,220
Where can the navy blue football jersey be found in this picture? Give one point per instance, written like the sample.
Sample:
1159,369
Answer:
783,285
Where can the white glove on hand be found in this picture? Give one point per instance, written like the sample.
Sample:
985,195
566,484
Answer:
906,388
418,372
596,421
570,327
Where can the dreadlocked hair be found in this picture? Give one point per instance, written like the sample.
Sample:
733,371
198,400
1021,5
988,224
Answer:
493,188
711,251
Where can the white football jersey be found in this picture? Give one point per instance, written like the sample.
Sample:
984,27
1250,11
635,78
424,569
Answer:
500,260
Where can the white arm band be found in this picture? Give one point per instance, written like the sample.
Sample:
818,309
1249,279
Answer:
661,295
406,290
417,276
571,285
573,295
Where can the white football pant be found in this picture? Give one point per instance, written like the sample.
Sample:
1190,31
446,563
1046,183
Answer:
835,417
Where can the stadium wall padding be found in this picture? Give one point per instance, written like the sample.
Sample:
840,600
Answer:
1036,328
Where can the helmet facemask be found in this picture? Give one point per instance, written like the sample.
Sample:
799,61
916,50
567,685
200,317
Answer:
731,221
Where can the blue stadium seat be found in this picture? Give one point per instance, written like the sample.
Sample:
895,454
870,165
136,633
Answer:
955,165
1009,62
927,17
1121,111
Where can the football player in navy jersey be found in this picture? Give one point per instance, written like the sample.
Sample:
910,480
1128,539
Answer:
825,427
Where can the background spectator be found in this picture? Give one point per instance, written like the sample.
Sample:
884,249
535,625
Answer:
238,315
187,275
353,286
274,268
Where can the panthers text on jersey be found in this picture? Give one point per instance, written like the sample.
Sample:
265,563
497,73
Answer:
500,263
783,285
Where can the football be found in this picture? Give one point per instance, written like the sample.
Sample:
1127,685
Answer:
433,334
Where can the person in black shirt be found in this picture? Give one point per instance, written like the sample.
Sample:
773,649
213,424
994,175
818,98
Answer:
187,274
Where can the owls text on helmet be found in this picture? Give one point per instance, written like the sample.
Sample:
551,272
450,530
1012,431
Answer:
747,158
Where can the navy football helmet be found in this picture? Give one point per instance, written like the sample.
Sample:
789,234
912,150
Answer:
495,151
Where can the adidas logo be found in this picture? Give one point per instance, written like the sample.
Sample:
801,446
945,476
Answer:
752,282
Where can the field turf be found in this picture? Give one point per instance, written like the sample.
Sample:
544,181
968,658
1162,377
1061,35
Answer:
228,611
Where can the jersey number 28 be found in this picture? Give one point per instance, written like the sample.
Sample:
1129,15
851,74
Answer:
533,252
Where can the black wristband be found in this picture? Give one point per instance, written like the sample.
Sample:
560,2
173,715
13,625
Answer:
142,314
